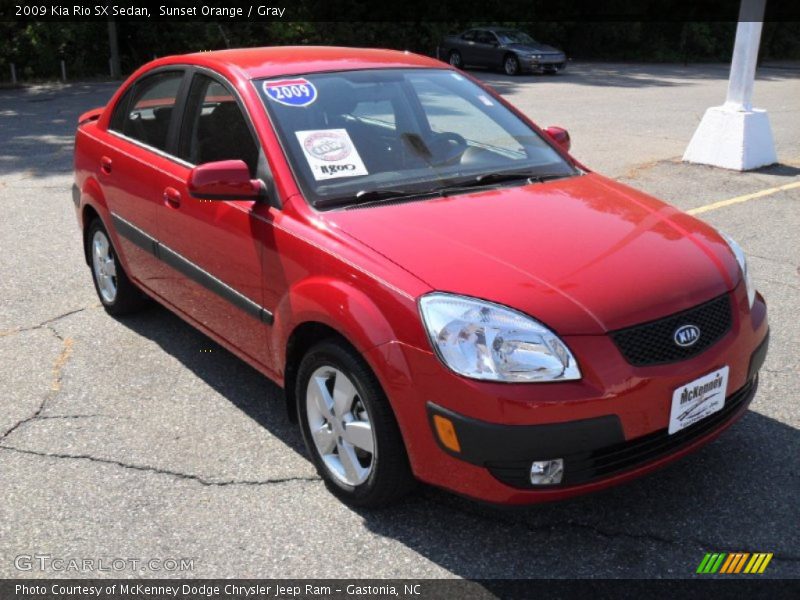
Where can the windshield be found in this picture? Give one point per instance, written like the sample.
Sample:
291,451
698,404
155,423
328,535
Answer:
514,37
405,130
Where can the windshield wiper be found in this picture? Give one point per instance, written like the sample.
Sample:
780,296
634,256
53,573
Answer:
488,179
384,194
369,196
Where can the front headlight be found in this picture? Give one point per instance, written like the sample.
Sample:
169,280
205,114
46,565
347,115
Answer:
482,340
742,260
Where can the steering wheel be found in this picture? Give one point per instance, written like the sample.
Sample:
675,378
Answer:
446,148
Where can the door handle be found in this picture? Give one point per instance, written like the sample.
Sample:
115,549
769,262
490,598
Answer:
172,197
105,164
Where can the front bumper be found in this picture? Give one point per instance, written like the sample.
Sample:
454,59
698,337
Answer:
592,449
546,63
616,411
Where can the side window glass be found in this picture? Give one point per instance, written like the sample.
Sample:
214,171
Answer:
215,127
117,122
484,37
150,109
469,36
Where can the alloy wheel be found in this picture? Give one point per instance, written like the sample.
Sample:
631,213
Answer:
511,65
340,426
105,266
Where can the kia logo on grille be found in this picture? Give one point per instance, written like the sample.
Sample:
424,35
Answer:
686,335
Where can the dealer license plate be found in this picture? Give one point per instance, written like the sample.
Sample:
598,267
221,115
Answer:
698,399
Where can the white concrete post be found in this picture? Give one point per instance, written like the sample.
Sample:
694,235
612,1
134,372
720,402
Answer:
736,135
63,71
743,65
13,74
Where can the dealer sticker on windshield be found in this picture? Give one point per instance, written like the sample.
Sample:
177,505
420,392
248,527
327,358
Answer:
291,92
330,153
698,399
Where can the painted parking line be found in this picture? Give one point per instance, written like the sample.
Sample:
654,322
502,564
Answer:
745,198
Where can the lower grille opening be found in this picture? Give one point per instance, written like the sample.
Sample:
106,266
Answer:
585,467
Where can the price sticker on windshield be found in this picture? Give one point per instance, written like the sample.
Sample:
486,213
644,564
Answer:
291,92
331,154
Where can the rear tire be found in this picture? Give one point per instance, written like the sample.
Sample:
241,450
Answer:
349,427
454,58
116,292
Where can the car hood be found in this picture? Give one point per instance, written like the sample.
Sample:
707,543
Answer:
542,48
584,255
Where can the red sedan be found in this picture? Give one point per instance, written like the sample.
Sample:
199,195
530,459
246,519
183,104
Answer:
445,293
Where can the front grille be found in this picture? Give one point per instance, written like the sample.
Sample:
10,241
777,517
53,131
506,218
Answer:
653,343
585,467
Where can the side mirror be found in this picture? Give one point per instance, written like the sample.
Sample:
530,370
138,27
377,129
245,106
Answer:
224,180
560,136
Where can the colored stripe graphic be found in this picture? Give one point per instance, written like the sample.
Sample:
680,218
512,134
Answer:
753,564
711,562
728,562
702,566
734,562
740,563
717,564
765,563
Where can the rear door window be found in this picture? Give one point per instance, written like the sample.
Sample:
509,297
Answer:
149,111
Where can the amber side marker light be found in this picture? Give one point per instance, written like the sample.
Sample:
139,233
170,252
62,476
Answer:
447,433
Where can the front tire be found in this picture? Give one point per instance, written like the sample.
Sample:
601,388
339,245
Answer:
116,292
349,428
511,65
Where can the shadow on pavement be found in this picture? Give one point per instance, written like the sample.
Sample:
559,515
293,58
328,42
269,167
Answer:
780,170
37,126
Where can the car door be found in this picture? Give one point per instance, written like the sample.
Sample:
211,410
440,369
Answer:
134,167
467,47
486,49
214,248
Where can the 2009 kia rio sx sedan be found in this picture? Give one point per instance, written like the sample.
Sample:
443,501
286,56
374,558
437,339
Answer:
445,294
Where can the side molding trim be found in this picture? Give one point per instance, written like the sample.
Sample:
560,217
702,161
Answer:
183,265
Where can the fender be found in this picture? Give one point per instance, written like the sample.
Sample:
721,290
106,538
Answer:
334,303
353,314
92,196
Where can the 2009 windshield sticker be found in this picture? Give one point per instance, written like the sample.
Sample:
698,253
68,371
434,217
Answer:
330,153
291,92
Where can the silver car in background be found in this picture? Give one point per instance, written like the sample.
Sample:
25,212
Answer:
511,50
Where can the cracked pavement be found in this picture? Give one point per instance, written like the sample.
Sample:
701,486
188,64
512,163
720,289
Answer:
140,437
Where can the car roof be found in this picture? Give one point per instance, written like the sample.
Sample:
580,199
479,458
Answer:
296,60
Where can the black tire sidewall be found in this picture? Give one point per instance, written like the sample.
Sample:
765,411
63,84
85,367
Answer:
516,60
460,61
94,227
129,298
344,358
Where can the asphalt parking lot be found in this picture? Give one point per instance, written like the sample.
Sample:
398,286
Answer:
141,438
